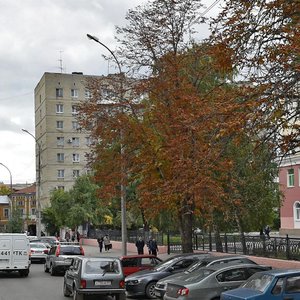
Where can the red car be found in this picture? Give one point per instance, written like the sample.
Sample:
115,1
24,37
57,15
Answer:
135,263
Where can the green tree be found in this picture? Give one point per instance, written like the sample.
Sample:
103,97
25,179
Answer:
4,190
86,204
49,220
15,224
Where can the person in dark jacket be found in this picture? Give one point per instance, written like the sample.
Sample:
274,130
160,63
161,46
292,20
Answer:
140,245
152,245
100,243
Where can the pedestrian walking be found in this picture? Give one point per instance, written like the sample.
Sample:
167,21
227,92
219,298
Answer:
100,243
67,236
107,244
78,236
152,246
267,231
140,245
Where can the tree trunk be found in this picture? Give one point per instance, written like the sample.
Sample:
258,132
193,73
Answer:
218,240
186,225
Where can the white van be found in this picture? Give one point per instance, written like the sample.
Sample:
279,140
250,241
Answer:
15,253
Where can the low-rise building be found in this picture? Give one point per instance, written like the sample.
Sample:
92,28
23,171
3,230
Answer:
23,200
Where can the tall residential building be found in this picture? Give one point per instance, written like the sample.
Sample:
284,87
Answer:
61,143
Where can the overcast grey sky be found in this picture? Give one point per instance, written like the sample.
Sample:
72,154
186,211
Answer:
34,34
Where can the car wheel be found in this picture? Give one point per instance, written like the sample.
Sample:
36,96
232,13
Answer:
46,269
120,297
52,270
150,290
66,292
24,273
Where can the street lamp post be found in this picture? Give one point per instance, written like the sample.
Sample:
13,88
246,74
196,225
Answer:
11,188
38,199
123,197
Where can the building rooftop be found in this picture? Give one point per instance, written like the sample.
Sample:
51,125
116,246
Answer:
4,200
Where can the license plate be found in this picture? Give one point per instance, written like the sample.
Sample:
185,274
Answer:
4,259
102,283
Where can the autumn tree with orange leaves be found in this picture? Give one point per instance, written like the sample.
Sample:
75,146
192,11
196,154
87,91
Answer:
264,36
169,129
174,125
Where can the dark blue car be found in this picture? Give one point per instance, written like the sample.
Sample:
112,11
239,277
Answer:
268,285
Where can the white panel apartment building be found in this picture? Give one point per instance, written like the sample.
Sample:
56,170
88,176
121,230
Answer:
62,143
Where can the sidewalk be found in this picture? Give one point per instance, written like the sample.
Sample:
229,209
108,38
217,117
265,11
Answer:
94,251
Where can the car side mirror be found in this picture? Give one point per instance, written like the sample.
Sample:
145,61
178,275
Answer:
171,269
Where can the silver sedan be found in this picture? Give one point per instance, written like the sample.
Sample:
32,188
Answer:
209,282
38,251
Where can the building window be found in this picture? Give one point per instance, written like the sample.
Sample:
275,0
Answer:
21,210
33,203
291,178
59,108
60,173
20,203
33,211
75,125
60,141
60,157
75,141
87,94
75,173
297,211
88,140
61,187
59,92
74,93
59,124
74,110
76,157
6,213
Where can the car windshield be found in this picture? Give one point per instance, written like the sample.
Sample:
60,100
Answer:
198,276
101,267
70,251
35,245
195,266
258,282
165,264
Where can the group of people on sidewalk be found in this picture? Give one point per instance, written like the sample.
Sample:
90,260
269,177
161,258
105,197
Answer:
140,244
104,241
151,244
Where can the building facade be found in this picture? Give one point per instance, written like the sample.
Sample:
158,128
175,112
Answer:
23,201
289,180
61,145
4,212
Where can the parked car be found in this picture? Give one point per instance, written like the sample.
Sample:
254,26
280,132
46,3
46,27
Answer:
161,285
143,282
38,251
135,263
210,282
60,257
50,240
268,285
101,276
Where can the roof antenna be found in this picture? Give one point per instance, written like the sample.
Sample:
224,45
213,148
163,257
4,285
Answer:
60,61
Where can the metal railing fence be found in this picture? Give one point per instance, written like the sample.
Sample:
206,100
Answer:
276,247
